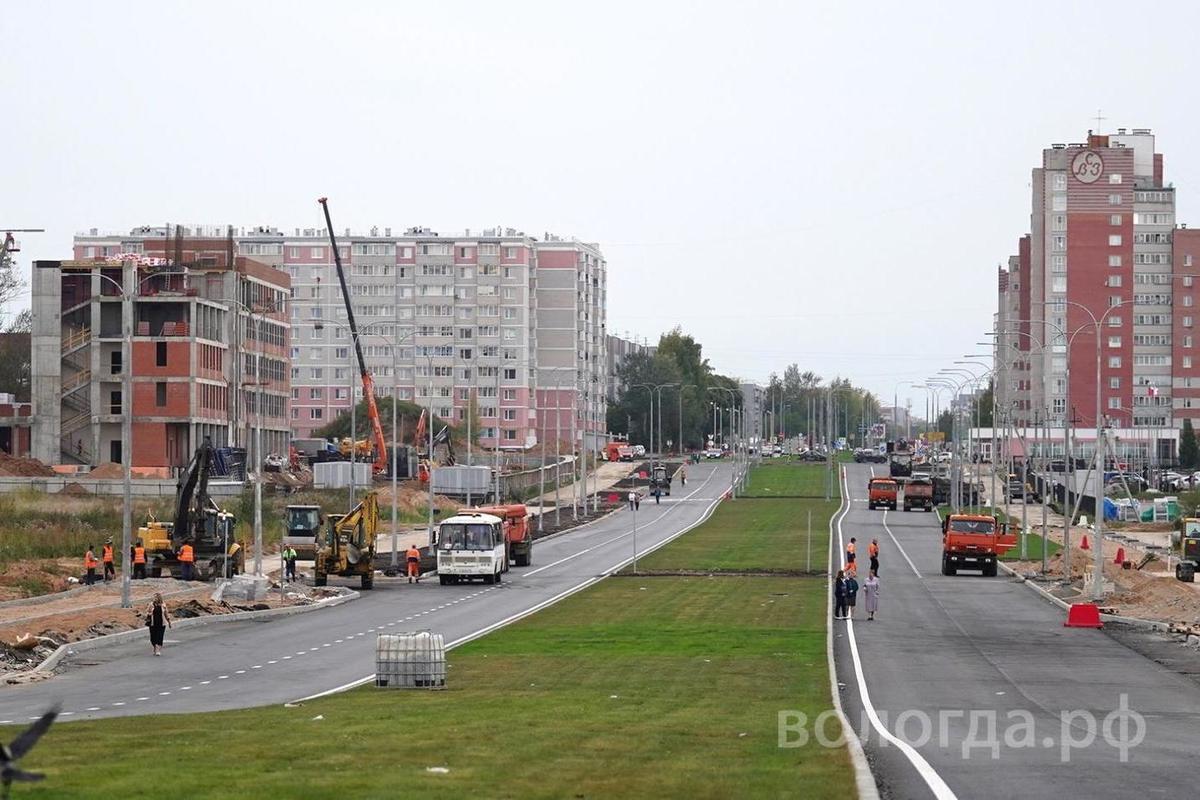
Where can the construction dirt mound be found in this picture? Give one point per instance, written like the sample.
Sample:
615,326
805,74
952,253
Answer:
107,470
411,498
13,467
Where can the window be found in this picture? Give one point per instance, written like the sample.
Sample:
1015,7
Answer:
1114,321
1058,202
1058,222
160,354
435,250
510,394
510,252
1187,260
510,374
1058,284
1114,199
1114,341
1114,301
1113,280
316,373
341,352
1114,362
316,413
1114,177
1058,243
315,333
1187,280
1114,383
1115,219
1187,362
510,414
1187,301
406,252
1114,240
1059,181
160,394
1187,341
1058,264
489,249
1114,261
1114,402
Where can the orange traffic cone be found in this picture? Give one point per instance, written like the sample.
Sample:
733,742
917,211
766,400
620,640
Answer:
1120,559
1084,544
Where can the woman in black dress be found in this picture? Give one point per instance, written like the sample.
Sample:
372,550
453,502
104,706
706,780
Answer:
157,620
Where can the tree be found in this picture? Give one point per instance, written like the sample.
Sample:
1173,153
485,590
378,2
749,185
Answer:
15,356
1189,449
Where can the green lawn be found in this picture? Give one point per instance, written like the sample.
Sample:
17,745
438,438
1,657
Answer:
639,686
775,479
1033,548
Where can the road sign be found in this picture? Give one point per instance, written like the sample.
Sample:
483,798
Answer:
935,436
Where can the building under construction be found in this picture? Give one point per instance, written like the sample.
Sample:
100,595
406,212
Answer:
209,342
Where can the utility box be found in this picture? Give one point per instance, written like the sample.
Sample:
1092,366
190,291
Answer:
456,481
336,474
415,660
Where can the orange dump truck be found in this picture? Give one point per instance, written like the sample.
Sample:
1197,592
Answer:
882,493
974,541
518,533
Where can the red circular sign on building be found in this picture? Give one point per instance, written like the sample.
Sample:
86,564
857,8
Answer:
1087,167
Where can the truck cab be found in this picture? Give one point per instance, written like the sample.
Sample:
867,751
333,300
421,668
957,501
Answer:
882,493
660,480
974,541
518,533
302,528
471,545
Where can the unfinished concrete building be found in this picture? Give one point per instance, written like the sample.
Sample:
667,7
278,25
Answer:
209,344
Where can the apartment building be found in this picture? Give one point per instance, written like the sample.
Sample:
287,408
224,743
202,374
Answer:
1098,255
448,320
209,349
753,405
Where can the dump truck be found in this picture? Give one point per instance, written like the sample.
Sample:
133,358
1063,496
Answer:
518,533
618,451
1189,560
900,458
302,529
199,520
348,549
918,494
974,541
471,545
882,493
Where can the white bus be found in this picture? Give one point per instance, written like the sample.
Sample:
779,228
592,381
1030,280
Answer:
469,546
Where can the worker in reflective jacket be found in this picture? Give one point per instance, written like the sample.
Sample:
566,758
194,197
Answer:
106,555
89,566
413,557
139,560
187,560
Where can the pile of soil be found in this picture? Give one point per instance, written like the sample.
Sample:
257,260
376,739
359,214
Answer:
11,466
107,470
410,498
21,579
74,489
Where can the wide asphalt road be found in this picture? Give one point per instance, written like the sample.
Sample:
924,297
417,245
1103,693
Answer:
944,649
238,665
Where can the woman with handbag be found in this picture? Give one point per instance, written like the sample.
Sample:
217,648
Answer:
157,620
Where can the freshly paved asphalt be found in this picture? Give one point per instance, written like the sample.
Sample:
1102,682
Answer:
969,643
238,665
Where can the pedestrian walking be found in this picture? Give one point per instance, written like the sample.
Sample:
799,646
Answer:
633,501
413,556
139,560
871,594
683,476
873,554
187,560
850,550
839,596
106,556
289,563
851,595
89,566
657,495
157,620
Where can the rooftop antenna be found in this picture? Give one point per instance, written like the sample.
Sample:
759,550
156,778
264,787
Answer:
1099,119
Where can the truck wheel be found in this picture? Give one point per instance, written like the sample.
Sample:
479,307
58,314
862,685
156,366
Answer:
368,580
870,506
443,579
320,580
929,508
989,570
499,577
489,578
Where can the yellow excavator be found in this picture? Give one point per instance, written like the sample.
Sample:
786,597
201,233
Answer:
348,548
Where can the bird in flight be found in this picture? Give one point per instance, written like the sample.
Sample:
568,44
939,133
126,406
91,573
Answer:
12,753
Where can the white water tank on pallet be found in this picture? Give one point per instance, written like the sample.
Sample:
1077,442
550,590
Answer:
414,660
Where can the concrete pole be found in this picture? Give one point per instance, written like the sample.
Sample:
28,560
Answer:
395,561
127,431
258,456
557,450
495,443
430,427
1098,559
354,436
574,463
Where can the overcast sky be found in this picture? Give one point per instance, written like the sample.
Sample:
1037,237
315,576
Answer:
832,185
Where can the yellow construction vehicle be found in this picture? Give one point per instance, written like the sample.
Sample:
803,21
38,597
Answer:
362,449
348,548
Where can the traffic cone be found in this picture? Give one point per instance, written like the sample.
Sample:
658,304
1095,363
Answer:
1084,544
1120,559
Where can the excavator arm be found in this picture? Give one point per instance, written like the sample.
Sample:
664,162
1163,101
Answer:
368,382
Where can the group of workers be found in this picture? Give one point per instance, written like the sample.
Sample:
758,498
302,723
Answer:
846,588
137,553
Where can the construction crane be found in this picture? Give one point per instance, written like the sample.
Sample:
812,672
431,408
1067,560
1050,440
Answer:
368,383
10,245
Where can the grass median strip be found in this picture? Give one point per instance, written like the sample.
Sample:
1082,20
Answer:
670,686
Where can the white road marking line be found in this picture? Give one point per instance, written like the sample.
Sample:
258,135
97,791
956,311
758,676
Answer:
312,650
934,781
185,688
549,601
272,662
898,547
239,672
119,703
257,666
9,721
141,699
163,694
325,645
93,708
64,714
285,658
205,683
90,709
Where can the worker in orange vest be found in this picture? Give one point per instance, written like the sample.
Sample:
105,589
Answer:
106,556
414,563
139,560
89,565
187,559
873,554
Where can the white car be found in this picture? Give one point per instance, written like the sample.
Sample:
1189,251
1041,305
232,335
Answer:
639,450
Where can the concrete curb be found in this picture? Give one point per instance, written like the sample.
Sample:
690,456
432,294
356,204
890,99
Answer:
113,639
1148,624
864,780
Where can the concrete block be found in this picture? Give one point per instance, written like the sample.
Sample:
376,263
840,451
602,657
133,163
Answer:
243,588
